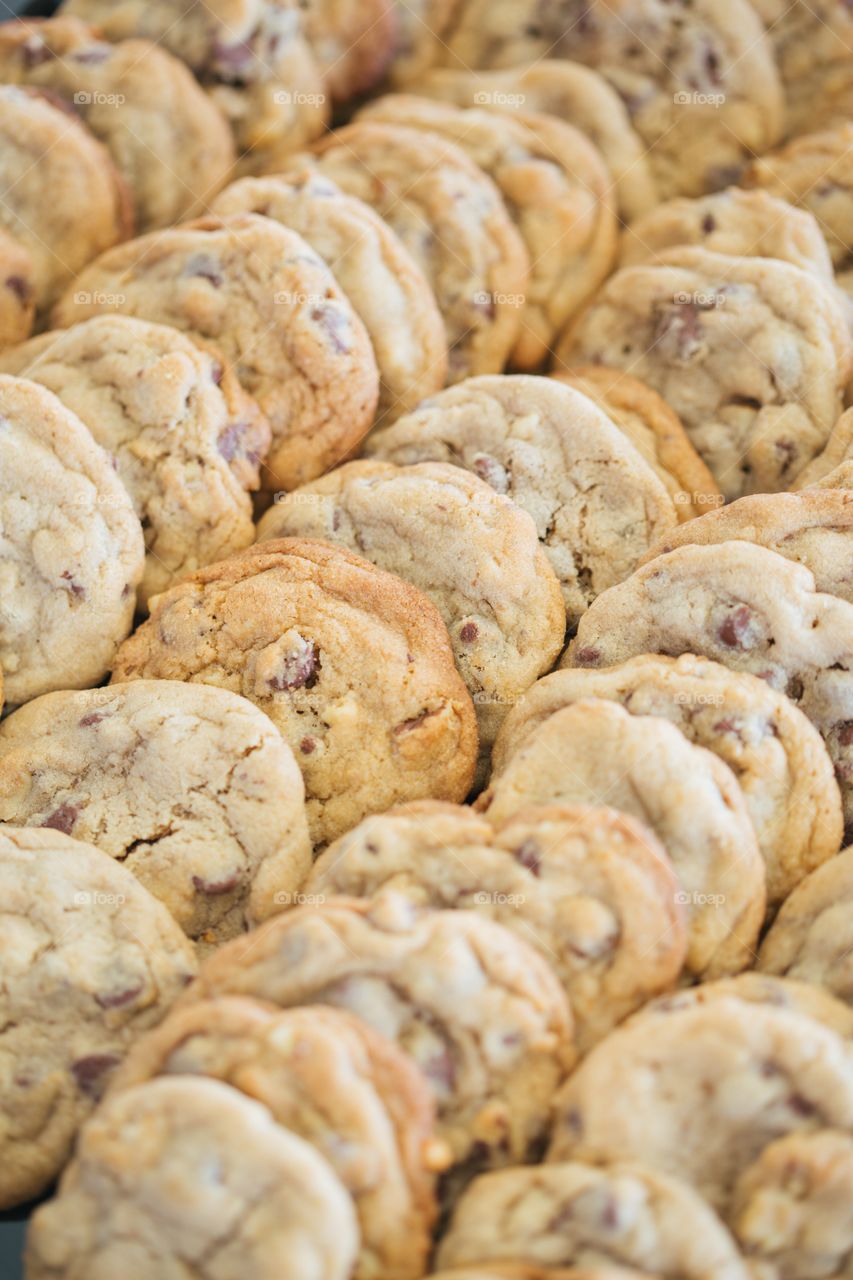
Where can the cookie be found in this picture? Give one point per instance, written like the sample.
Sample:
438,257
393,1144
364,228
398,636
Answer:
594,752
170,143
624,1215
375,270
191,788
189,1175
841,477
17,293
837,451
557,190
654,430
451,218
274,310
810,939
324,1075
570,92
812,528
90,960
699,1092
816,172
185,439
521,1271
468,548
596,505
352,664
353,40
479,1011
591,889
777,756
748,609
14,359
420,24
811,42
748,224
791,1210
253,59
72,549
46,148
751,353
702,89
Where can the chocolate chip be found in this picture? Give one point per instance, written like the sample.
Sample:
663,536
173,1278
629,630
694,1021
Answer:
678,329
34,52
89,1072
800,1105
77,591
709,223
469,632
230,442
406,726
232,63
215,888
299,668
440,1069
491,471
92,56
734,630
115,1000
94,717
20,287
587,657
308,746
62,819
335,324
206,266
528,855
845,733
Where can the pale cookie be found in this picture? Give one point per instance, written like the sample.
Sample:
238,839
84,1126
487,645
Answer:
15,359
760,988
185,439
188,1177
812,936
468,548
837,450
62,197
841,477
624,1215
353,40
751,353
595,753
747,224
479,1010
701,88
71,550
353,665
326,1076
557,191
776,754
815,171
420,24
655,432
89,961
749,609
570,92
168,140
589,888
251,56
523,1271
376,272
451,218
811,41
814,529
274,310
17,294
792,1211
596,505
697,1093
190,787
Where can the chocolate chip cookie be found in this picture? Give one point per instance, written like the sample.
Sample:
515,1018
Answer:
353,665
170,143
591,889
523,1271
751,353
622,1215
837,451
699,1092
191,788
252,56
570,92
810,938
451,218
811,41
748,224
595,753
353,40
777,756
179,1175
328,1077
275,311
654,430
185,439
44,148
15,359
479,1010
701,87
72,550
597,506
89,961
557,191
749,609
376,272
492,583
17,293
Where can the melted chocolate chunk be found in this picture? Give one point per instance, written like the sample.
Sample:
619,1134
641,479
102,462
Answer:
62,819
